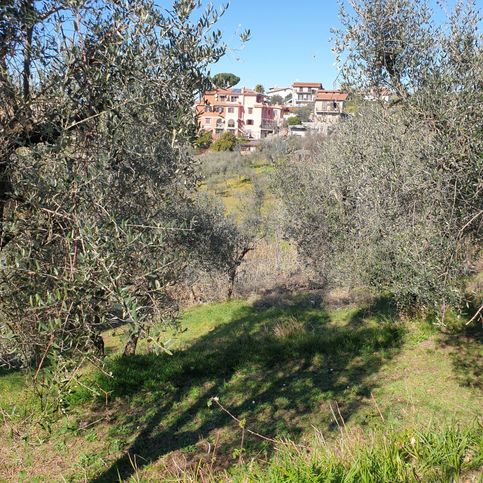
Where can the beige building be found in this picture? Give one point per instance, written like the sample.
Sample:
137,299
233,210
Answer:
329,106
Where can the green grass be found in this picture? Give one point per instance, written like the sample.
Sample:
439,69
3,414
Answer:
411,456
285,365
16,396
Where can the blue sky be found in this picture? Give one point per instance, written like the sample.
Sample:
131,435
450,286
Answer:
290,41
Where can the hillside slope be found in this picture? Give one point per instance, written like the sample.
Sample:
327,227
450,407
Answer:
287,366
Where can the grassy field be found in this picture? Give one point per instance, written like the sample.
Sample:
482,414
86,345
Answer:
354,388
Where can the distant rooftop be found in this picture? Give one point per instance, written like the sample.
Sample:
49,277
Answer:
231,91
317,85
330,96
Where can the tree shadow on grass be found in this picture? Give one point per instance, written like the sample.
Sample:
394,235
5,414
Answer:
277,365
466,355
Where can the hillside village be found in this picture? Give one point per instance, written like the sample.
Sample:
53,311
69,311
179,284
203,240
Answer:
256,115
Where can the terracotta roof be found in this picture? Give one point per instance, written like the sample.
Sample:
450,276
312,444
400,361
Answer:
318,85
250,92
232,92
219,92
331,96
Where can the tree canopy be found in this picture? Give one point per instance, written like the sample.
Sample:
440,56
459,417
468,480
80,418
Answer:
225,80
98,213
276,99
393,199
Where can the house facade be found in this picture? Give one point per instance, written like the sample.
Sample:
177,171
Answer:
304,93
329,106
299,93
242,112
285,93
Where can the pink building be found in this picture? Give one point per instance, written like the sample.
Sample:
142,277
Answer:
242,112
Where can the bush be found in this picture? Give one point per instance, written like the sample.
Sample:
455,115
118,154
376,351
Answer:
203,139
226,142
96,189
294,121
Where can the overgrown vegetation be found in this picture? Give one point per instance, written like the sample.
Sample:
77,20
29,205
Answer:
393,200
305,368
98,215
203,140
435,455
226,142
294,121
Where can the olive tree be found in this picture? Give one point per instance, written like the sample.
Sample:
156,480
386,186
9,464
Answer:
222,242
393,199
95,177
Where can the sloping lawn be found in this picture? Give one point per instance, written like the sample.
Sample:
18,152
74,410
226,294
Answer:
285,366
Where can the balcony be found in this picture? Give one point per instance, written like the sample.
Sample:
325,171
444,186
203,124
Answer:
268,124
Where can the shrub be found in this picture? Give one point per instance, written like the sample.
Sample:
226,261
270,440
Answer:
294,121
392,200
203,140
96,185
226,142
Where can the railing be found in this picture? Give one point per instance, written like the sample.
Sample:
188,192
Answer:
268,124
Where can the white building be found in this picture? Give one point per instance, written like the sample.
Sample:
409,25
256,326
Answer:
304,93
283,92
299,93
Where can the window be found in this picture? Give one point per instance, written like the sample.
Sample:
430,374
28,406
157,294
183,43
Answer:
207,120
250,122
222,98
219,108
234,98
231,123
250,110
231,110
219,123
207,108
